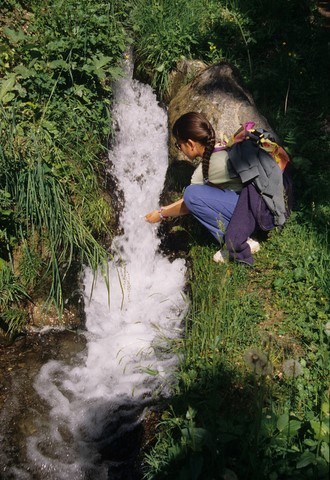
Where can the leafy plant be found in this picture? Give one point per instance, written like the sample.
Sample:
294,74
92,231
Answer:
57,64
164,32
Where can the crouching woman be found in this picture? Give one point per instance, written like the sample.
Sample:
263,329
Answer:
216,188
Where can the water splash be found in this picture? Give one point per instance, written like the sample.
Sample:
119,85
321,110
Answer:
128,358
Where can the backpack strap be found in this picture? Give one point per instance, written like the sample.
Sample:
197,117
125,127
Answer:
264,139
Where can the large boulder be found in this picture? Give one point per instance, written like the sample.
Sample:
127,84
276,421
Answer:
218,92
185,71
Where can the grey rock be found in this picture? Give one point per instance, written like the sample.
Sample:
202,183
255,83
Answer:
217,91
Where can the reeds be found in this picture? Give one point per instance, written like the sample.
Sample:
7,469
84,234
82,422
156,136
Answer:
46,209
54,123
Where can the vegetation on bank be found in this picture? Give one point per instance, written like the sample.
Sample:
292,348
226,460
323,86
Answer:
252,392
57,62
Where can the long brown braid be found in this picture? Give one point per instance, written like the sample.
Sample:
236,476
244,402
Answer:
195,126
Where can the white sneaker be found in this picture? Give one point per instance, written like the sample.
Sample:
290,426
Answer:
221,256
254,245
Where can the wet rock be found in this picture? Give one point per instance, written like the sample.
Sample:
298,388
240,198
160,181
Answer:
43,316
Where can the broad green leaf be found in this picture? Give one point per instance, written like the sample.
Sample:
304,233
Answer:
193,469
3,48
24,72
96,65
306,459
6,213
174,451
20,90
100,61
290,427
278,283
58,64
325,451
310,443
283,421
325,408
4,194
115,72
50,126
7,85
14,36
294,426
191,413
321,430
8,98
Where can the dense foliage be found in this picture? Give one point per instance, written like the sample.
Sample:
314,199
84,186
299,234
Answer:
57,62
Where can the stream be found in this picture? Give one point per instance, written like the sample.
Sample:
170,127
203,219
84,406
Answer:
74,408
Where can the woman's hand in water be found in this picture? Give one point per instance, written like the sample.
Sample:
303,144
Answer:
153,217
175,209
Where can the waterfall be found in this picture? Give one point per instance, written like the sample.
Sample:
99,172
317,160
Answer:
94,403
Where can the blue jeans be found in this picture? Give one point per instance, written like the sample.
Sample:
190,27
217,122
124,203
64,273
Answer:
212,207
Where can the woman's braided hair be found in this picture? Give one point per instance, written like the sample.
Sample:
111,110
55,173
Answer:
196,127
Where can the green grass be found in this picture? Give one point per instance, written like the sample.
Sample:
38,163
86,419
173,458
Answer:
253,384
164,32
58,61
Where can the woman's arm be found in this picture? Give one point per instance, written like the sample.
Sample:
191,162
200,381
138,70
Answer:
175,209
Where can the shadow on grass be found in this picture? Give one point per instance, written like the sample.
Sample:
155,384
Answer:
218,429
213,430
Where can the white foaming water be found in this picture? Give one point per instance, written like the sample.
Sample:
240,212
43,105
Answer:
127,359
